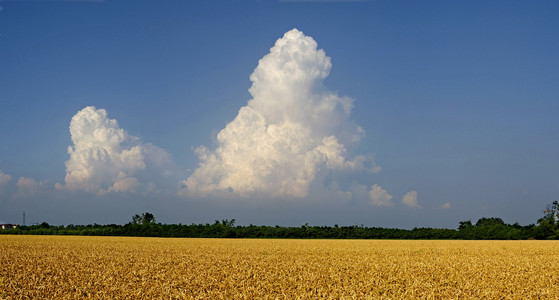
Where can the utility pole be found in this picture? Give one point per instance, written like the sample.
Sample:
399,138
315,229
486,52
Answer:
23,218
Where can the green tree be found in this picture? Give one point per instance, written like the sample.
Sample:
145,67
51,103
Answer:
464,225
145,219
548,227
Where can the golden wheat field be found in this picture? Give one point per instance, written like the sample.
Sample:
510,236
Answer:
134,268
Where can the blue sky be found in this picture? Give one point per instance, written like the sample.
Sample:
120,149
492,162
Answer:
457,102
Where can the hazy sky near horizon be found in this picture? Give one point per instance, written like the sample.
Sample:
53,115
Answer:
381,113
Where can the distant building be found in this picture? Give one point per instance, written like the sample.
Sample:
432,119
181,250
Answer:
8,226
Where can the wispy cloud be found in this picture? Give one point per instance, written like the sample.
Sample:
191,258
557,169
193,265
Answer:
4,178
29,187
445,205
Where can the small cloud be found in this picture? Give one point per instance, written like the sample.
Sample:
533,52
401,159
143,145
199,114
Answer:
379,196
4,178
445,206
29,186
410,199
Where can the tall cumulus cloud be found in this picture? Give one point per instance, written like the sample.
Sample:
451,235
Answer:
290,130
104,158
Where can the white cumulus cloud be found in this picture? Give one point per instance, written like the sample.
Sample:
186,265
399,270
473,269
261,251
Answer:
291,129
379,196
104,158
410,199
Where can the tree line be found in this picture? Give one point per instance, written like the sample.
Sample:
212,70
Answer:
145,225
